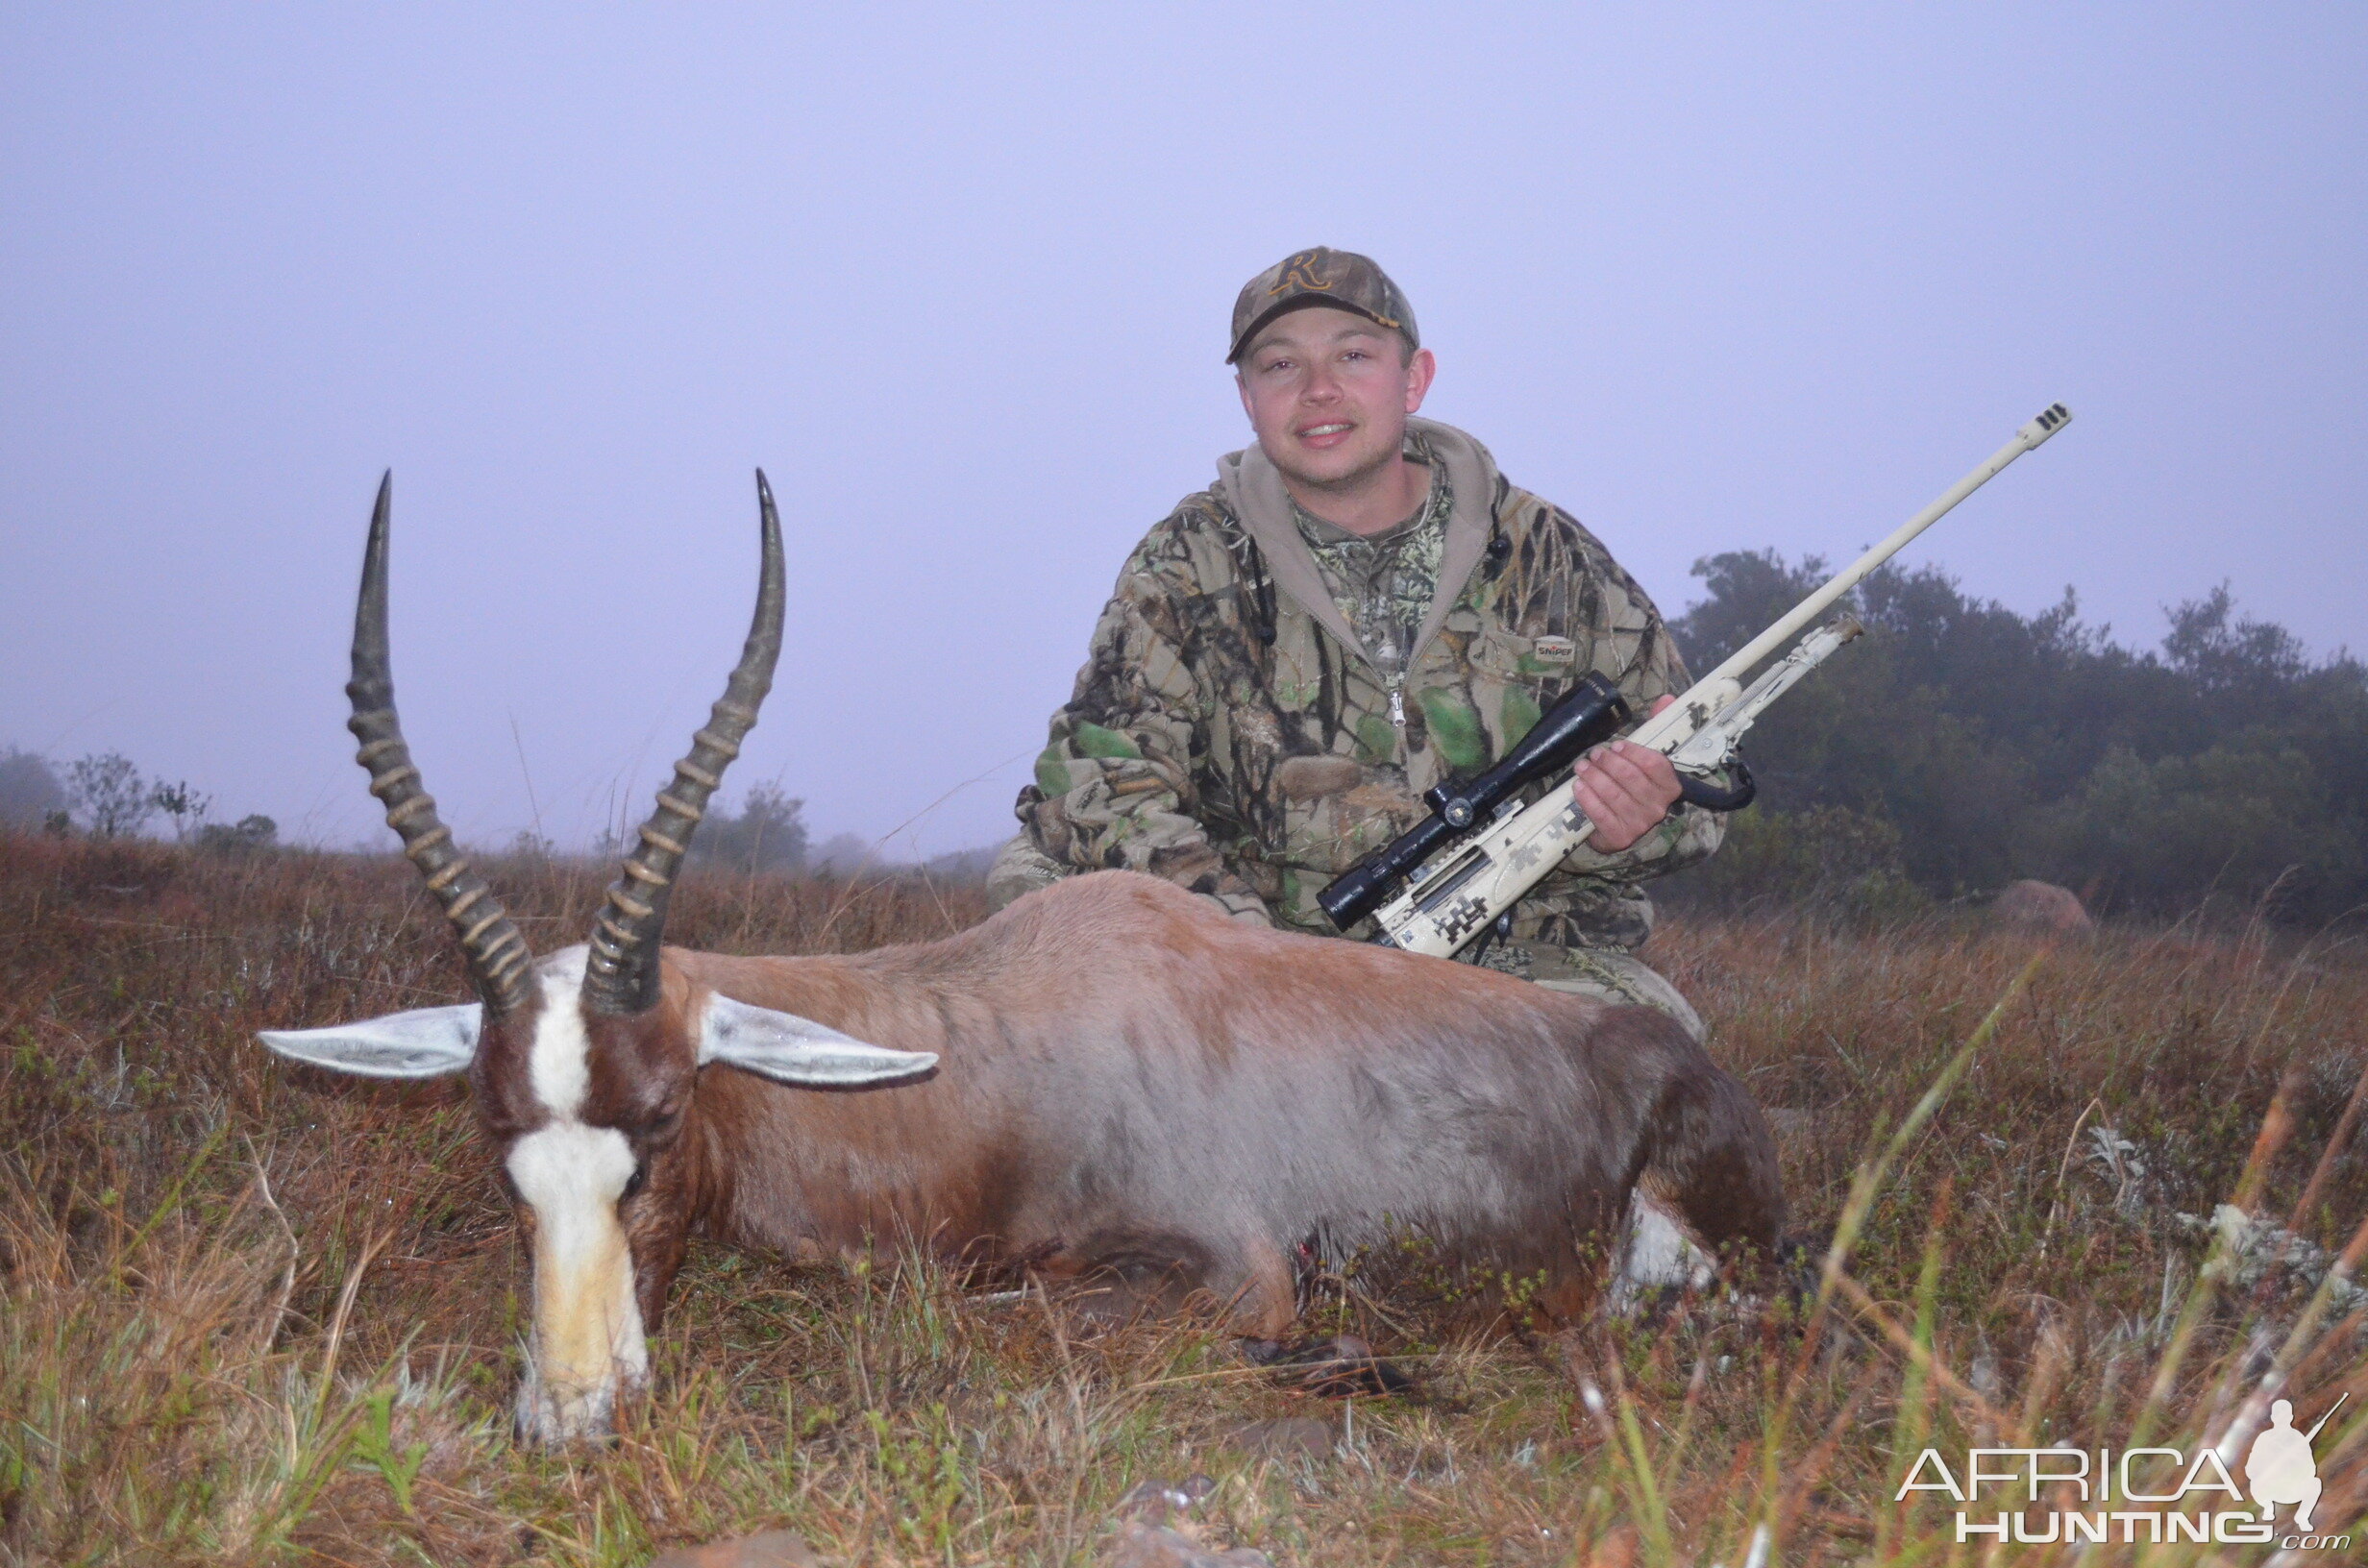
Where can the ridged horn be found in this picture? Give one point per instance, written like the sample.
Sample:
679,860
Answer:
621,977
497,955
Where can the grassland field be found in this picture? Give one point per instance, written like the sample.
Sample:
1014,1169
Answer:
251,1314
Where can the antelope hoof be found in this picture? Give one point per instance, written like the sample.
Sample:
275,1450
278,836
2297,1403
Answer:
1334,1368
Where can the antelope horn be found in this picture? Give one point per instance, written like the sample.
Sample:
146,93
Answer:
621,977
497,955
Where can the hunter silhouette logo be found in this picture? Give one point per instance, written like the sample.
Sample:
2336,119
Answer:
1299,272
2281,1468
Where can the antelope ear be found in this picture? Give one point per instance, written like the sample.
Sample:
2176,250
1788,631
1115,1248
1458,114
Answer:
793,1050
426,1043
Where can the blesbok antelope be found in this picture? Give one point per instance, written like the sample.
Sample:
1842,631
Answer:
1107,1076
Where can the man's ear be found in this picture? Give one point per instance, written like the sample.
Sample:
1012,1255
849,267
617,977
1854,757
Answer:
426,1043
793,1050
1422,366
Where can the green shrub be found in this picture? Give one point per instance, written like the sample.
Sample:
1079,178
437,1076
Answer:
1829,858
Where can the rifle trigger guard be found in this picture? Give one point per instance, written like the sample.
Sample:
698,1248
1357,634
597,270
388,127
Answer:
1701,792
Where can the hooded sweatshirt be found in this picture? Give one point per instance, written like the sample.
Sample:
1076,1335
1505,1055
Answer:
1231,731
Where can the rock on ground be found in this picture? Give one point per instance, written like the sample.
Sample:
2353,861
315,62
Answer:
1156,1546
1145,1539
1295,1437
2040,905
1153,1501
773,1549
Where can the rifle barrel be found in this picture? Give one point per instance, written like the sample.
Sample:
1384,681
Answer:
2054,417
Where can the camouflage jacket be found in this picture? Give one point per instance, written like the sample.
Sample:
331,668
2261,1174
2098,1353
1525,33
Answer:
1229,733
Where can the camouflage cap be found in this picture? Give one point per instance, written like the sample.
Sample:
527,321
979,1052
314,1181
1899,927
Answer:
1341,279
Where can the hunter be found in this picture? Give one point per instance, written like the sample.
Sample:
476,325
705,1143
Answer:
1360,606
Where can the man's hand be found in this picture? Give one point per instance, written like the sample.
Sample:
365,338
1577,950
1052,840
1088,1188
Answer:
1624,789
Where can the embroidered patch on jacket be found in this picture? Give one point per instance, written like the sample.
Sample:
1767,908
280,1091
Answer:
1554,650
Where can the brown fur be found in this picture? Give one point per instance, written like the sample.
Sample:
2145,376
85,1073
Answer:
1129,1082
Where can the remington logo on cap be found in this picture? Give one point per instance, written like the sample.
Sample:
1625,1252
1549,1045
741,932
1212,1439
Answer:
1320,275
1301,272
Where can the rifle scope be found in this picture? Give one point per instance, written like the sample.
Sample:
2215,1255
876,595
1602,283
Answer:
1590,713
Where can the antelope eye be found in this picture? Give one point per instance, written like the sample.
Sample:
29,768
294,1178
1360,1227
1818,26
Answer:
636,1181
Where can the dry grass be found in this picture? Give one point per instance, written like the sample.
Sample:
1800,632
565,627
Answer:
249,1314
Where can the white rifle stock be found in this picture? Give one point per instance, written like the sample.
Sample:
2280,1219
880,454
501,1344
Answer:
1453,898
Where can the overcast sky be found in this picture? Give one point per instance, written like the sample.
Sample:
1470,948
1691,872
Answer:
958,279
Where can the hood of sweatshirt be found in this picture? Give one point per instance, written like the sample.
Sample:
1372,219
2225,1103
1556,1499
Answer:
1253,488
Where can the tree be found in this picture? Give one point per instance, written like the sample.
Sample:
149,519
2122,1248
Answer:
29,788
2228,654
251,832
528,844
768,835
844,854
185,805
1998,746
114,800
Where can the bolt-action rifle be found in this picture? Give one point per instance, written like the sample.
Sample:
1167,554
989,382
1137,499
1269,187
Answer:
1438,886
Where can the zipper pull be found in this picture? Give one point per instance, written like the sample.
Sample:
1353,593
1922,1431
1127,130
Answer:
1398,705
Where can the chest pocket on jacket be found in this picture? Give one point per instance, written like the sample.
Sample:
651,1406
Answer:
1627,623
1510,675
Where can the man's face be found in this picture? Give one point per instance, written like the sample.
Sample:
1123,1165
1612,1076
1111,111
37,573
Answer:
1328,392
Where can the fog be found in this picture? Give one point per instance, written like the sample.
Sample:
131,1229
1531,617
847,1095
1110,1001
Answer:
958,280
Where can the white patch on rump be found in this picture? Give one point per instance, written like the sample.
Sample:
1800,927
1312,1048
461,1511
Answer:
560,1066
1656,1255
588,1342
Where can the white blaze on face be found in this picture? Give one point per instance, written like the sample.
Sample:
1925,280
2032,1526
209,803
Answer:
587,1324
588,1340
